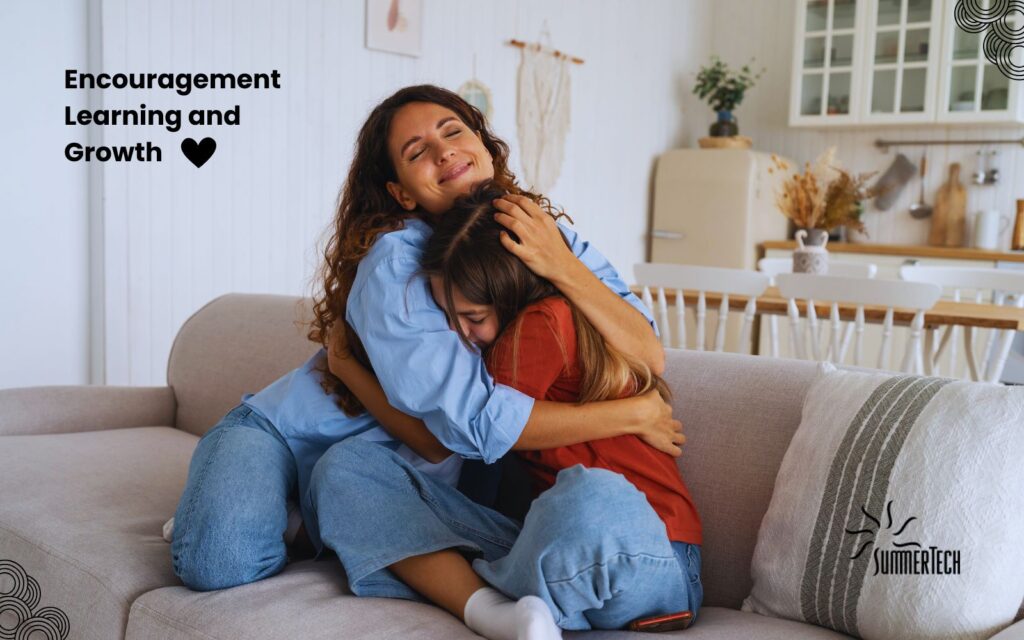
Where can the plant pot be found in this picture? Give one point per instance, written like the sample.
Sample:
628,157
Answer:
810,255
725,127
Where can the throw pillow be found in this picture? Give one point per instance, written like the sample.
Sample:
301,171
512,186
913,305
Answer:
898,511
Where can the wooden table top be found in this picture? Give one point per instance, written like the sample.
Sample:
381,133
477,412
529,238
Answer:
945,312
912,250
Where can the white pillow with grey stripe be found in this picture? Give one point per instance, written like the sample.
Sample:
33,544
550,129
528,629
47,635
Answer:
898,511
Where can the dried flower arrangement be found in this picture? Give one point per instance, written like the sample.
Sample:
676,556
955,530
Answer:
825,195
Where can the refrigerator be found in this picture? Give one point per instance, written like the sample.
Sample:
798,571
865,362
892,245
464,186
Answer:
712,207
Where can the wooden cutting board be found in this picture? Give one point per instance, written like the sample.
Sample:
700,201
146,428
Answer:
950,211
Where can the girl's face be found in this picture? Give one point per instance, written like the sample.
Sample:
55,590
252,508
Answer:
437,157
479,322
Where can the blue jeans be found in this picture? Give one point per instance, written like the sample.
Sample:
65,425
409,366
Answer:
229,525
591,546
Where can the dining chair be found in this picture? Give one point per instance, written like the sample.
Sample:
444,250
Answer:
775,266
1001,287
681,277
890,294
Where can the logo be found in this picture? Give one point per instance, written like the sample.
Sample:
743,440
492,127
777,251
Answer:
19,618
907,556
976,16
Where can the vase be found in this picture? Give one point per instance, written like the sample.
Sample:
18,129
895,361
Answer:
725,127
810,255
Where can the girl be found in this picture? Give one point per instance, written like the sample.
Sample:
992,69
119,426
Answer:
537,342
418,150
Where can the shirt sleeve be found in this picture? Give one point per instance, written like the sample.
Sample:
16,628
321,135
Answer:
540,358
425,369
605,272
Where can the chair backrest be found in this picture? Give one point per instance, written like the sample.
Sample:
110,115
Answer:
775,266
996,286
682,277
890,294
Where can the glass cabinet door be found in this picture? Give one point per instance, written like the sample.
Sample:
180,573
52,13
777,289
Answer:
902,59
828,57
974,88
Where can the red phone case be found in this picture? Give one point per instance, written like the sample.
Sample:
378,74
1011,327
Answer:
668,622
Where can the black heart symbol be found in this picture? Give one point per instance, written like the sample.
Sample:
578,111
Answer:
198,152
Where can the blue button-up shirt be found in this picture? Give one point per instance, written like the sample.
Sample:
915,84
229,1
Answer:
423,367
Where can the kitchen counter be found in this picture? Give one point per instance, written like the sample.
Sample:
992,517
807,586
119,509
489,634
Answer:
918,251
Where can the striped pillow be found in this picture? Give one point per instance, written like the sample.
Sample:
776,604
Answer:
898,511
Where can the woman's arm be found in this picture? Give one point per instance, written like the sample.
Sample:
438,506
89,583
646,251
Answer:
411,431
543,249
551,424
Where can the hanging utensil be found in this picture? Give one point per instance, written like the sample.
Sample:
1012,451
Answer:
919,210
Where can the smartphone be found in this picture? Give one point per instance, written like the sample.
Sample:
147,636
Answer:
667,622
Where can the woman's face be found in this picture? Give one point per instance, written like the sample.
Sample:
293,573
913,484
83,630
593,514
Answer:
479,322
437,157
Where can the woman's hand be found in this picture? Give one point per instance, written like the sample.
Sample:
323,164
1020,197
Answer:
541,246
656,426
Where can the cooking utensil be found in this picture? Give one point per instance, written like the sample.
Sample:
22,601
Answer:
890,184
950,211
919,210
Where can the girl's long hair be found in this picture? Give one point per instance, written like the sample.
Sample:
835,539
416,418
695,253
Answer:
465,251
366,210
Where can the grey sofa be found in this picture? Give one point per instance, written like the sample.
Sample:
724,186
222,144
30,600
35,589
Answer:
88,475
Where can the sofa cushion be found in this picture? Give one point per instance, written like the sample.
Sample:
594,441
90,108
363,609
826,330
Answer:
236,344
739,413
308,600
81,516
898,509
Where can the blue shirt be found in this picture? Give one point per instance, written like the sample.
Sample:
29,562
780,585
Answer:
423,367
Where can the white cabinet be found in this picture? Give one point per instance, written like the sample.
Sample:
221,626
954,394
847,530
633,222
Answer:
871,62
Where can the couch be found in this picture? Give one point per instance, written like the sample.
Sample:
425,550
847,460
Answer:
88,475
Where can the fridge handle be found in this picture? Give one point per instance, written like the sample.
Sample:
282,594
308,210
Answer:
667,235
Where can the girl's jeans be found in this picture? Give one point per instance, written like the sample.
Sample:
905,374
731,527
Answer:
591,546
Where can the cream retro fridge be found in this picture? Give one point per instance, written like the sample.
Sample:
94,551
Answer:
713,207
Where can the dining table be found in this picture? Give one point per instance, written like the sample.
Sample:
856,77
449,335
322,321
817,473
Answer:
945,314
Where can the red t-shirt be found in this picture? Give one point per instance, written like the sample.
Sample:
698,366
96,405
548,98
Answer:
547,369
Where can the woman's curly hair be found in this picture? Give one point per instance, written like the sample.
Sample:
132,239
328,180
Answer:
366,209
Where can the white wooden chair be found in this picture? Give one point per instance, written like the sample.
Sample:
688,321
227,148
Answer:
680,277
775,266
890,294
994,286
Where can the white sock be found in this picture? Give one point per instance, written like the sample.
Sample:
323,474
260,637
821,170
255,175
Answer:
492,615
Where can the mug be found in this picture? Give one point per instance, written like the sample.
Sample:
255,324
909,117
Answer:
988,226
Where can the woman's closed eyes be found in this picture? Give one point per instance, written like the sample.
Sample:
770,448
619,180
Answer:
449,134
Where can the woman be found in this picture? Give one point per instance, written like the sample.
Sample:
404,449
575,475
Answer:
536,341
418,151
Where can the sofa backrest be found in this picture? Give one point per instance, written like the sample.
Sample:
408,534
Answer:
236,344
739,414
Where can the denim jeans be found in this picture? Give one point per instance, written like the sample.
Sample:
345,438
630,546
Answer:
230,522
591,546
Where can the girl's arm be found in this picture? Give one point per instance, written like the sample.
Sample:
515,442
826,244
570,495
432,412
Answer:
551,424
574,270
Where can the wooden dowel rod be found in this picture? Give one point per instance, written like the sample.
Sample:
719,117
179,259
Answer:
558,54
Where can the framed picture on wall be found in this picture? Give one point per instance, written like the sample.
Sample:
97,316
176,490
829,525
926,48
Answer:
394,26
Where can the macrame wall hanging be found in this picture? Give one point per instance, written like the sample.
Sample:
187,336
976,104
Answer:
542,112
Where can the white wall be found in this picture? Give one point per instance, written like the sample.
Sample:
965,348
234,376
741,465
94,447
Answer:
764,30
176,236
44,260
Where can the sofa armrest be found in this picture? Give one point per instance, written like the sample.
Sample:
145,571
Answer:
1013,632
42,410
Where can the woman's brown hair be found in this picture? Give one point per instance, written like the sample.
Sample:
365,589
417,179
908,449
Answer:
366,210
466,253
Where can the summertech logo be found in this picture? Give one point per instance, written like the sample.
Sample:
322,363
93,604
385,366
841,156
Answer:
907,556
1003,22
19,617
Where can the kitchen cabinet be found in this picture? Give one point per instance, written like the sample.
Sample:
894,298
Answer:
878,62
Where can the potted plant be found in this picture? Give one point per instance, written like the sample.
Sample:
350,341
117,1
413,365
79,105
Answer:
723,89
821,198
